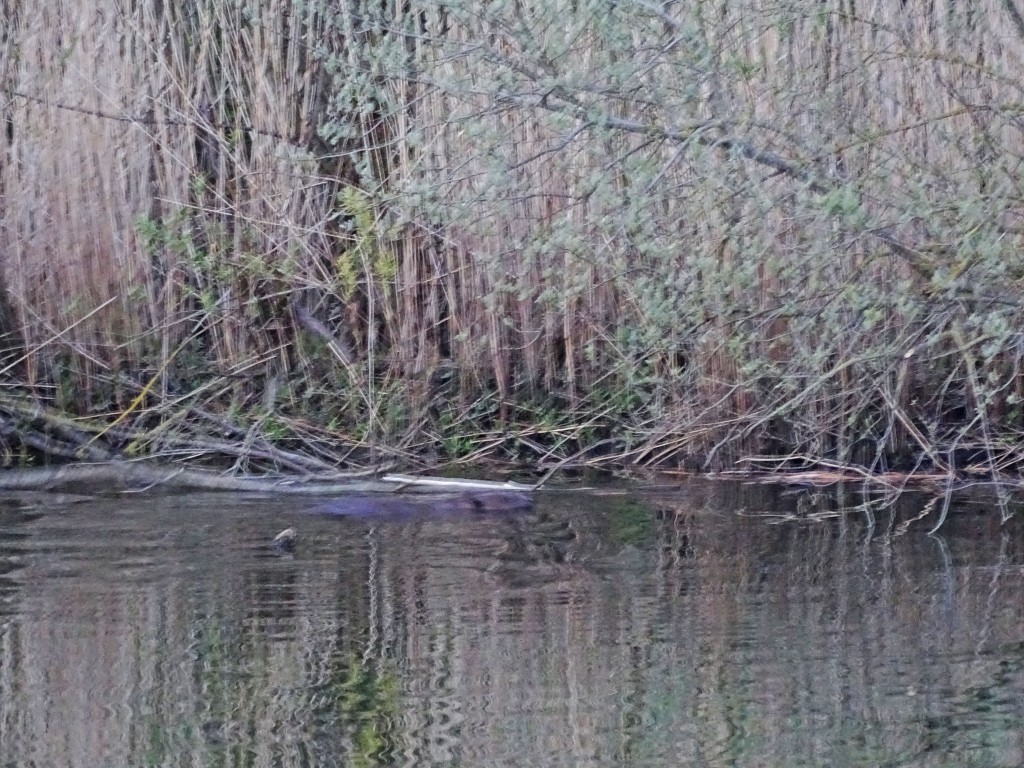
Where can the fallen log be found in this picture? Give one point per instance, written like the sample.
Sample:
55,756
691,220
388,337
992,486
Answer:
119,476
455,483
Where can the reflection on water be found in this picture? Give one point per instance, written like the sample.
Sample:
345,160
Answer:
686,628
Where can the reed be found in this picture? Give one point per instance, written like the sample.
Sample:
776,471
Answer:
787,229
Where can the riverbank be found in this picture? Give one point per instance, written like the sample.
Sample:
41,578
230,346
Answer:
347,239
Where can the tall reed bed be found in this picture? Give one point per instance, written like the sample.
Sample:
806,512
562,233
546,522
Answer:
662,231
784,228
164,197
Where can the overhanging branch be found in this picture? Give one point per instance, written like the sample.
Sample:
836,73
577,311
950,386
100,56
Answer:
701,134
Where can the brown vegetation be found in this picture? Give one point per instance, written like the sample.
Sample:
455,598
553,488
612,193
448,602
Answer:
644,233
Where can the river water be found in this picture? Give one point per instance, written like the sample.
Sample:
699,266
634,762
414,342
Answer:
712,624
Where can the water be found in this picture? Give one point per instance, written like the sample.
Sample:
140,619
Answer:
701,627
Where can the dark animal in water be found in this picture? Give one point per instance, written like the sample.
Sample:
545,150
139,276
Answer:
426,505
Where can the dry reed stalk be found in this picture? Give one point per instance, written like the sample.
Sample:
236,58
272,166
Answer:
216,80
71,182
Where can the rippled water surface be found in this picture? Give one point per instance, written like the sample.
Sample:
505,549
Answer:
694,626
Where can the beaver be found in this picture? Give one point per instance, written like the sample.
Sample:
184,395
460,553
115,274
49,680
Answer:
412,505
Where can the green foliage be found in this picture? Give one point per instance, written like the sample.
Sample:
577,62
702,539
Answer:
367,245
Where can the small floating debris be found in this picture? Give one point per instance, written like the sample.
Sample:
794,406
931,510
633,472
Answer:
285,540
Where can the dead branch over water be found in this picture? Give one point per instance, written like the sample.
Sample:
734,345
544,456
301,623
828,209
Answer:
303,238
